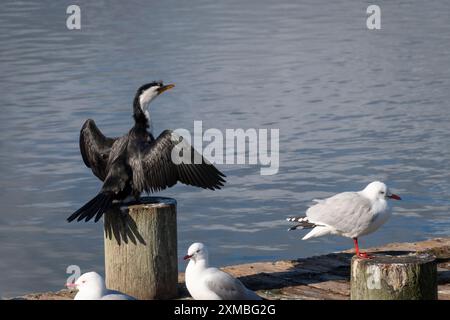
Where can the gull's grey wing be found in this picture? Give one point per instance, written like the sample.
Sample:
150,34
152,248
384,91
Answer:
117,295
227,287
95,148
345,212
155,170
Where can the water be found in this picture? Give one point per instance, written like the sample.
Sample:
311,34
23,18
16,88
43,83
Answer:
352,106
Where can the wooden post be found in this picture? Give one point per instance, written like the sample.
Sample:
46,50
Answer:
141,248
401,277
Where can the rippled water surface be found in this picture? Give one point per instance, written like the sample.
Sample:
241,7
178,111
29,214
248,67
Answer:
352,106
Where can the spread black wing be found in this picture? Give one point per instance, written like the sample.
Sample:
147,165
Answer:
155,169
95,148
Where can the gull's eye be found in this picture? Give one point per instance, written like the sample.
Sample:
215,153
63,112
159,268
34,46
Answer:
84,281
381,192
198,251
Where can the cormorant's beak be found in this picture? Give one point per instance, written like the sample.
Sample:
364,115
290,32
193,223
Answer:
165,88
187,257
394,196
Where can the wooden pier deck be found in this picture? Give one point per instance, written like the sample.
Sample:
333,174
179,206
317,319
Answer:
319,277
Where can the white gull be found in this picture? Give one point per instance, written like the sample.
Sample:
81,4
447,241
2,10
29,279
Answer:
91,286
207,283
348,214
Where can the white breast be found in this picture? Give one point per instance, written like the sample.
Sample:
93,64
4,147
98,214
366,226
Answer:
196,285
380,214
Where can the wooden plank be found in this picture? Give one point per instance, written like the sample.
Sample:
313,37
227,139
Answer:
318,277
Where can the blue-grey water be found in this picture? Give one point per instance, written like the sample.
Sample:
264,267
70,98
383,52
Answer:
352,106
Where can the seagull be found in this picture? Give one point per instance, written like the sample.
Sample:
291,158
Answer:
91,286
348,214
207,283
137,162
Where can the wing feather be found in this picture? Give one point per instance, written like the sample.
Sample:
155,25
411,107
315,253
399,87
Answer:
227,287
160,172
344,212
95,148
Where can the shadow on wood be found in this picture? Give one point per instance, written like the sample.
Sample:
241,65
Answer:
317,277
119,224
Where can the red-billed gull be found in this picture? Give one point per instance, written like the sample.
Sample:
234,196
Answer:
348,214
206,283
91,286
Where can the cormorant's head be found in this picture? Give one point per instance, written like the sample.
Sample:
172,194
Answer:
149,91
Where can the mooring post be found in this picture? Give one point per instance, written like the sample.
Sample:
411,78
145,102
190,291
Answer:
394,277
141,248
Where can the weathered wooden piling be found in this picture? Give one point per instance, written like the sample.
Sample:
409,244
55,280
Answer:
394,277
141,248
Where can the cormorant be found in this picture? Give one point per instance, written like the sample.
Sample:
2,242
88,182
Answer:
137,162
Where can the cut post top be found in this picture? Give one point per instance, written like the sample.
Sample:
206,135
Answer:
400,275
150,202
405,257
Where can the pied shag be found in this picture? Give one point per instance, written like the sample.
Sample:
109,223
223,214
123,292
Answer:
137,162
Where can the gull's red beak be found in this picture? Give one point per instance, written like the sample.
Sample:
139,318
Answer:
71,285
187,257
395,197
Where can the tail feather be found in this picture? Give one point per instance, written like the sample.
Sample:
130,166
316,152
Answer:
318,232
302,223
74,215
95,207
105,205
91,209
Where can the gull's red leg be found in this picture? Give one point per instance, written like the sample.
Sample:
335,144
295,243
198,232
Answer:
362,255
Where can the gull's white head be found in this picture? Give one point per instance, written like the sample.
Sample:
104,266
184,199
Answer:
149,91
379,191
196,252
90,285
